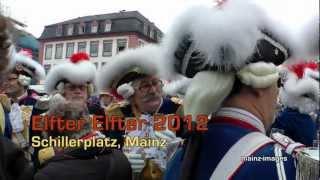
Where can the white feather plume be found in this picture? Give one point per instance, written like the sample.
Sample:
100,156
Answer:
39,70
79,73
125,90
303,104
146,58
235,25
177,87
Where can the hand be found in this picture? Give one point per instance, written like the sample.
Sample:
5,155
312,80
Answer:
136,161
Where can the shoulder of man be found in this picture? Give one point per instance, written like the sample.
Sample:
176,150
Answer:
5,101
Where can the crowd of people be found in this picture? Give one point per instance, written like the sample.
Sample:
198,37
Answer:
259,95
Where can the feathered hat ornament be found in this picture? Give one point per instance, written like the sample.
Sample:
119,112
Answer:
301,86
79,70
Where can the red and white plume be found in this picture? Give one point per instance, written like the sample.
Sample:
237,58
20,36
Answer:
301,86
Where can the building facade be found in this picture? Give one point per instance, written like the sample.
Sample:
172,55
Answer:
101,36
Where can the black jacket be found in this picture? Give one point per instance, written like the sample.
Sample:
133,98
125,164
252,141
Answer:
87,165
13,165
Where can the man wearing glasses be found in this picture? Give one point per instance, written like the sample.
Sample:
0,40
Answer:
24,102
71,84
13,164
132,75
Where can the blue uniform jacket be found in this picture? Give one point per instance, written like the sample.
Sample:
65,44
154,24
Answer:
216,142
299,127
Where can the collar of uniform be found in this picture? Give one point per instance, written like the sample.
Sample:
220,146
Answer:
241,115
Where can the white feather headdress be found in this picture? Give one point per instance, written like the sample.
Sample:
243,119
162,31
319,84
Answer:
30,66
301,86
78,71
144,59
234,26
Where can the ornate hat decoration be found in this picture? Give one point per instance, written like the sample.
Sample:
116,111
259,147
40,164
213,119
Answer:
215,45
221,38
79,70
27,69
128,66
301,86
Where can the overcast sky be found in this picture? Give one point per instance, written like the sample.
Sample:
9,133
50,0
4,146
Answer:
38,13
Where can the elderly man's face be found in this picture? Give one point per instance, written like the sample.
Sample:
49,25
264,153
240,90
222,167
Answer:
74,92
148,94
11,85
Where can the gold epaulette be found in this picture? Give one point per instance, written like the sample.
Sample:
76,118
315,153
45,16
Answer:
114,109
177,100
45,154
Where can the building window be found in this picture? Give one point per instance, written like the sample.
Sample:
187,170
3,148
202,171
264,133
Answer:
145,29
82,47
58,53
47,67
155,35
94,48
70,49
151,33
94,27
48,53
107,48
107,26
82,28
121,45
59,30
70,29
148,31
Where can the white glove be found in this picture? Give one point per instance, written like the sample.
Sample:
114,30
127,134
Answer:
136,161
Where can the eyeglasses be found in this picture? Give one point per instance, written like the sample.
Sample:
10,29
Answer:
146,86
279,83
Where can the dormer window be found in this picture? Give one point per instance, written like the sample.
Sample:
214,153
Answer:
151,33
59,30
145,29
107,26
82,28
70,29
94,27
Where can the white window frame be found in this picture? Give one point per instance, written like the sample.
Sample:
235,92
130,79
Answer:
46,55
107,53
90,50
67,52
